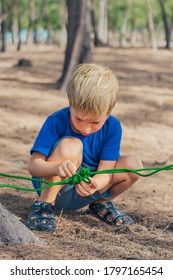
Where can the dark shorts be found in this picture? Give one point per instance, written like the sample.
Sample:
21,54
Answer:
68,199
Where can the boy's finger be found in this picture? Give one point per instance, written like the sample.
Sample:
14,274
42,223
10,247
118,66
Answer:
67,171
93,184
71,168
81,191
86,185
62,174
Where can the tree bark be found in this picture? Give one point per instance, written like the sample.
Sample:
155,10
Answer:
19,26
151,25
103,22
2,28
124,24
12,231
133,33
78,39
97,42
166,25
31,17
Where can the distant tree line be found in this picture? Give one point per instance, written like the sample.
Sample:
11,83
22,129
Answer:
125,22
79,24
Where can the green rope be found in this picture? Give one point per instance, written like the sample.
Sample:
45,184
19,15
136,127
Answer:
83,175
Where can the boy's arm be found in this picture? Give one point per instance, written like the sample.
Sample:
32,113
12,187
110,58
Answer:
103,180
40,167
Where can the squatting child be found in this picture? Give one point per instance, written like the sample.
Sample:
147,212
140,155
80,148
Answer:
82,135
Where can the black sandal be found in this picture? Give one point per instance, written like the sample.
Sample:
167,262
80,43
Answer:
42,216
109,213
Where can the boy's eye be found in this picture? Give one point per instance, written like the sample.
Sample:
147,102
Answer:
80,120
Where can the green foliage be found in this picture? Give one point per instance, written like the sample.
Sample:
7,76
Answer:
137,13
49,14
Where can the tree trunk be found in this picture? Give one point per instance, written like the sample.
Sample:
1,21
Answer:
133,33
3,17
78,39
124,24
63,33
15,31
3,42
12,231
97,42
166,25
151,25
19,27
103,22
31,17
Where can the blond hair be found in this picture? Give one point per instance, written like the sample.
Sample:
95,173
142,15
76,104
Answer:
93,89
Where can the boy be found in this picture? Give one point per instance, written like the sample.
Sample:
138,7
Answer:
82,135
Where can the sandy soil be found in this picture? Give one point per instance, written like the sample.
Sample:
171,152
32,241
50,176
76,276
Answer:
145,108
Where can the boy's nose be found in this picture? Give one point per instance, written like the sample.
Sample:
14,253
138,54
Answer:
86,129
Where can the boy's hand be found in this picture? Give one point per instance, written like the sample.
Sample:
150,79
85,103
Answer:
86,189
66,169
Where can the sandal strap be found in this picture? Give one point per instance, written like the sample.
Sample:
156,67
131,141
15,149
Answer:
112,219
42,216
43,206
112,215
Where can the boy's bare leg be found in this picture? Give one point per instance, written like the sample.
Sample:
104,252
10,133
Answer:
121,181
68,148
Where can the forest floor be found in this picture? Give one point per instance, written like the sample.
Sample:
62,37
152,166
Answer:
144,107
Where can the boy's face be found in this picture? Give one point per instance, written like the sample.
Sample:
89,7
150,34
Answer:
86,125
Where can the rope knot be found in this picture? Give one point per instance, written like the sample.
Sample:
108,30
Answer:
84,172
83,175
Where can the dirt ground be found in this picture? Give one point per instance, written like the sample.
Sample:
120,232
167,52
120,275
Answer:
145,108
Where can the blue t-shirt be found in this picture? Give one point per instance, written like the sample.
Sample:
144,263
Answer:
101,145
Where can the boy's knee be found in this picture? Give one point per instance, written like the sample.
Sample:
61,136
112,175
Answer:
130,162
133,162
70,146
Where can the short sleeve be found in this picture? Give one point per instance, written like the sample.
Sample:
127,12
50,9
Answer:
111,147
47,136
